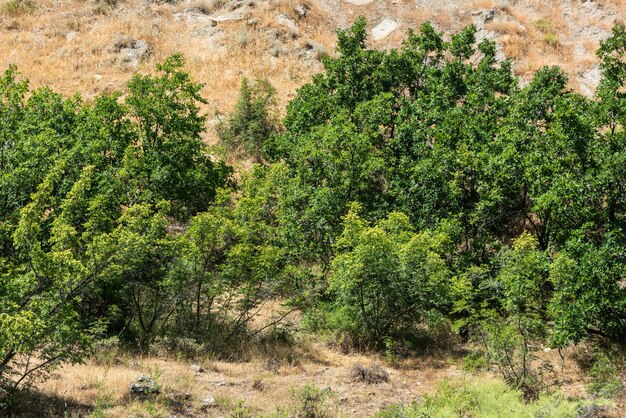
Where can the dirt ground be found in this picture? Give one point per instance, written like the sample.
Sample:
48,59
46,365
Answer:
267,385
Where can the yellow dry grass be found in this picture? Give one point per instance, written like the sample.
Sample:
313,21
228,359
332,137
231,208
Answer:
260,386
64,43
263,385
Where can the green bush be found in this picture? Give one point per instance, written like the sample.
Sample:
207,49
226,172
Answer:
385,279
313,402
604,378
253,121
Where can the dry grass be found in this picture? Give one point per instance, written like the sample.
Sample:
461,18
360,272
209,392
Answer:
95,388
65,44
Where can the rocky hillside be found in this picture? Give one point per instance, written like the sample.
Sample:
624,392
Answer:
95,45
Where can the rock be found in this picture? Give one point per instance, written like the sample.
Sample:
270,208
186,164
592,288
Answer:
484,16
209,402
131,51
589,80
197,368
253,21
287,22
144,385
384,29
301,9
360,2
228,17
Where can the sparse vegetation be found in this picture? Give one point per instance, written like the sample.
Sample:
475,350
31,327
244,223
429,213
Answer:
17,7
551,40
313,402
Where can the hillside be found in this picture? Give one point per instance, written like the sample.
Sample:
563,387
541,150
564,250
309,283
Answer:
93,46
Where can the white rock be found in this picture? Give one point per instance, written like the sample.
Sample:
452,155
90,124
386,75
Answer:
360,2
384,29
232,16
287,22
589,80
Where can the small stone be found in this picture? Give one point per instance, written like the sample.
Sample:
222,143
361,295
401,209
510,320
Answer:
208,402
301,9
197,368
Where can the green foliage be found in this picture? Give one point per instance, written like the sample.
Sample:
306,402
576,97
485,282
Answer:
385,278
89,193
313,402
409,187
169,160
508,332
489,398
18,7
605,382
253,121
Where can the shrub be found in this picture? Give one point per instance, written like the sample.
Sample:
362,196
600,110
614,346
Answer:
508,332
543,25
253,121
313,402
386,278
551,39
604,379
371,375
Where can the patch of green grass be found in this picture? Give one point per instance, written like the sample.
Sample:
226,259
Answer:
486,397
17,7
551,39
543,25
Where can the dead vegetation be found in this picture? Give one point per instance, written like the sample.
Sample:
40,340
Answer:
66,43
372,375
226,388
